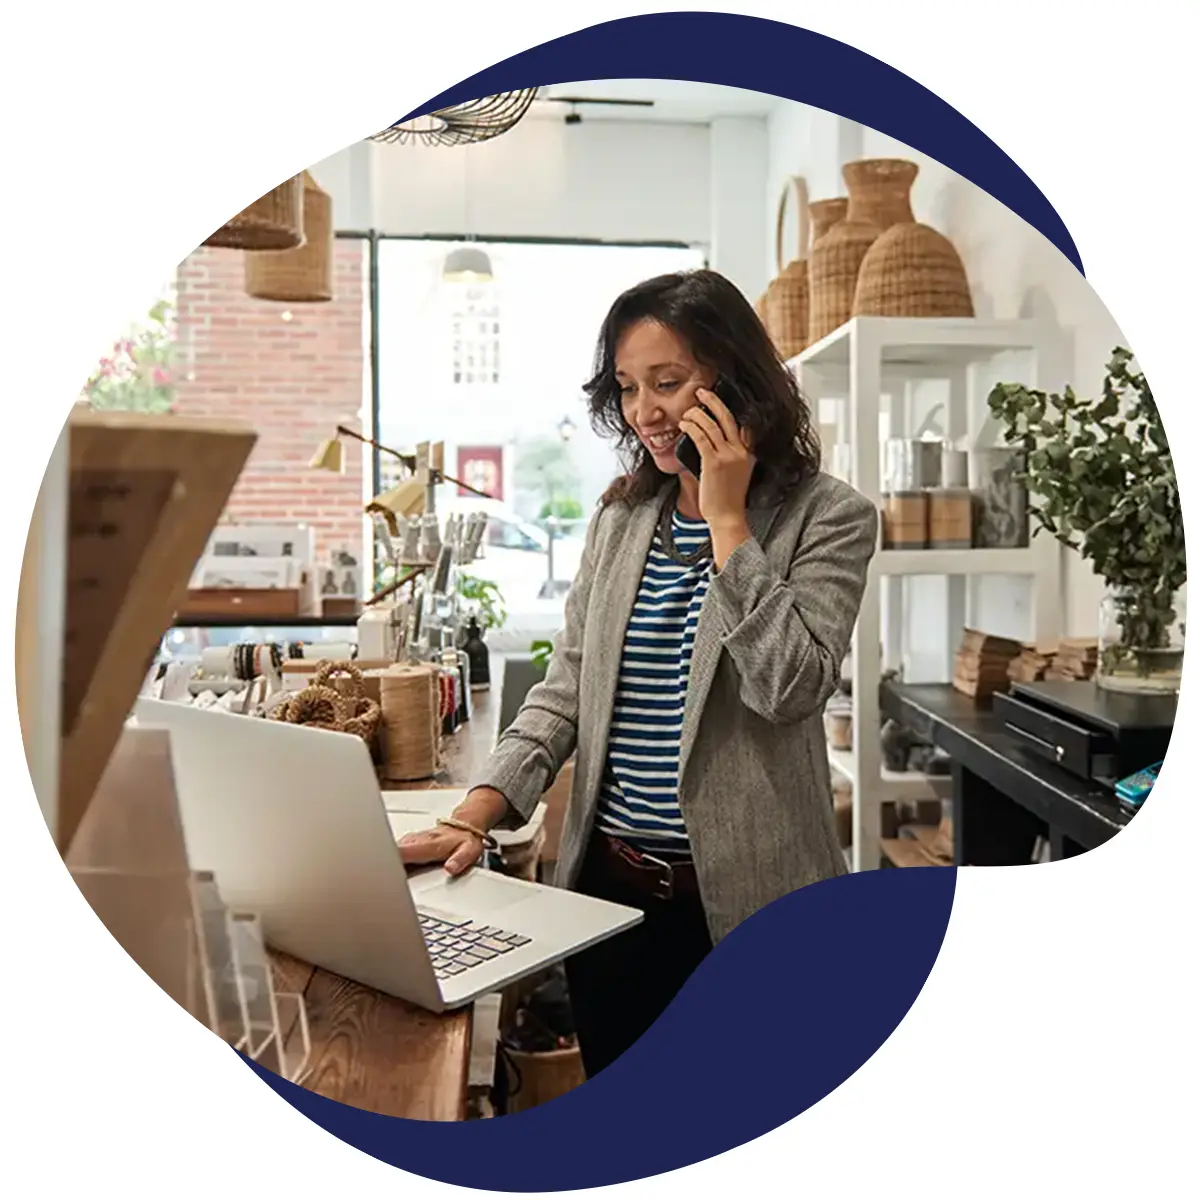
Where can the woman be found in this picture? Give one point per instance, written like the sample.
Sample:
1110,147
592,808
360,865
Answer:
705,630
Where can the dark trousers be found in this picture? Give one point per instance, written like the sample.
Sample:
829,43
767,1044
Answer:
620,987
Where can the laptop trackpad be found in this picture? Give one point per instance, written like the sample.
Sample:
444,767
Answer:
476,894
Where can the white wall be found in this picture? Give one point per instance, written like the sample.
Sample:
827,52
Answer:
738,174
810,143
621,181
702,184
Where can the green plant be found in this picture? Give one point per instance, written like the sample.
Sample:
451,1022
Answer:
136,374
542,651
1102,481
486,597
564,510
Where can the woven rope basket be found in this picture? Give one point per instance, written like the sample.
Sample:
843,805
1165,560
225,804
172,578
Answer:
912,271
410,700
303,275
787,298
273,222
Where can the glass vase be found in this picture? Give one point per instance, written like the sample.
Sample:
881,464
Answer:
1141,641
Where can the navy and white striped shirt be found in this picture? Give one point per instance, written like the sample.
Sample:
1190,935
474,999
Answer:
639,800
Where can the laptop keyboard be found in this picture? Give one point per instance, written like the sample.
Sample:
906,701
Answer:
456,943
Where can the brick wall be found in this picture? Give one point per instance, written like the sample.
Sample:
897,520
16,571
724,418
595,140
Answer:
293,379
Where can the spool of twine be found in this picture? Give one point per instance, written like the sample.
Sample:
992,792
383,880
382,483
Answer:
409,698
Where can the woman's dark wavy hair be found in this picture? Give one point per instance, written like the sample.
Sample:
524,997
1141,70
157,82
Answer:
723,332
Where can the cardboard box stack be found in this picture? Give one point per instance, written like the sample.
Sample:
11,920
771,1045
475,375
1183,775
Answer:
1032,663
1075,659
982,662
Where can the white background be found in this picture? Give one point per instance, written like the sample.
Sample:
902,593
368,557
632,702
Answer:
1061,1016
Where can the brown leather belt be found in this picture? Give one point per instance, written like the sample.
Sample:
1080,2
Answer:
643,874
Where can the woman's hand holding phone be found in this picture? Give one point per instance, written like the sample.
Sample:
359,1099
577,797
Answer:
727,467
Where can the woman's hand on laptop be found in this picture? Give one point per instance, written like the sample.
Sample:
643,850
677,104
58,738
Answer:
456,848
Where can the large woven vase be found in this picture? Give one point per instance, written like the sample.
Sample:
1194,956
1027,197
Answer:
826,214
879,198
912,270
787,297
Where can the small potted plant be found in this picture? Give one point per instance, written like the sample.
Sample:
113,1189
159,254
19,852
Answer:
1101,480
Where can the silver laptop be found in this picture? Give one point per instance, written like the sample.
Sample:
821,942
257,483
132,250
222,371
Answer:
293,825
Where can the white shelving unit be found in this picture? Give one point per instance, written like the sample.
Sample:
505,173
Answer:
866,360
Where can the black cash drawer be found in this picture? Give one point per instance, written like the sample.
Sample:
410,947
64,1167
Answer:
1088,753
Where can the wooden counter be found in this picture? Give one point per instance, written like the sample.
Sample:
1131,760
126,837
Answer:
376,1052
373,1051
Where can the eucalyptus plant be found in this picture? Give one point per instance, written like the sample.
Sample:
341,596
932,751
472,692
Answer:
1101,480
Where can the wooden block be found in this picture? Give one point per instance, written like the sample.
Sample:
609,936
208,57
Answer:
145,492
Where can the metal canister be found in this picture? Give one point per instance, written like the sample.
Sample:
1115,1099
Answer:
912,464
955,468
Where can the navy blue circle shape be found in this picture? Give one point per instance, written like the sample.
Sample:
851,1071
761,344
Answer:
783,1011
780,60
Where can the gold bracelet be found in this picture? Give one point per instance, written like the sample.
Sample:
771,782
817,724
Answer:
489,842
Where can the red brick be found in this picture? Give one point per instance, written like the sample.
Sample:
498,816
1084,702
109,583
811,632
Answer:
292,380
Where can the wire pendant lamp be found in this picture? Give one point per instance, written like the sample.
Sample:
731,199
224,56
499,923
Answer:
273,222
473,121
303,275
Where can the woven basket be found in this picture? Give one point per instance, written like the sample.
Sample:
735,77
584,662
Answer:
769,306
273,222
833,274
825,214
912,271
879,197
787,298
303,275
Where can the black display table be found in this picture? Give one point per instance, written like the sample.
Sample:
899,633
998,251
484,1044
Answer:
1005,798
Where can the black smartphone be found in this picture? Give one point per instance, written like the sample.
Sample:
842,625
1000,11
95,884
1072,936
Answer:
729,395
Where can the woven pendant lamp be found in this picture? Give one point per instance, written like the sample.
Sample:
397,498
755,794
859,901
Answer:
303,275
273,222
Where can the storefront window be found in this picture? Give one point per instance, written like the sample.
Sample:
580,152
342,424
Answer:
494,368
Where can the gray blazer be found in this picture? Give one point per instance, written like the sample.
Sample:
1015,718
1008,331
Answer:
775,627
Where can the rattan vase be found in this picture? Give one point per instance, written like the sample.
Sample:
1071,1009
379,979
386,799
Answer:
303,275
825,214
879,197
273,222
912,270
787,297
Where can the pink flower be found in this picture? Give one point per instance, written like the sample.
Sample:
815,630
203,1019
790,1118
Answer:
160,377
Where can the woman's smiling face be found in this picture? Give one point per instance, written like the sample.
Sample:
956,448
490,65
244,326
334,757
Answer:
658,377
